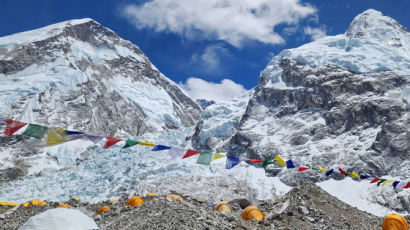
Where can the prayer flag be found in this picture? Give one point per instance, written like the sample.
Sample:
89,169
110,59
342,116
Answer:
231,161
301,169
297,163
312,167
12,126
322,169
217,156
1,119
388,181
407,185
353,174
328,173
109,141
279,160
395,183
363,177
267,162
94,138
255,161
35,131
146,143
381,181
56,136
342,171
374,180
190,153
160,147
73,132
289,164
129,143
400,185
176,152
205,158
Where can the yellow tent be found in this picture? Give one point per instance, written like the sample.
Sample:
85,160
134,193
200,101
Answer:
64,206
223,207
175,197
4,203
35,203
152,194
103,209
395,222
252,213
77,199
135,201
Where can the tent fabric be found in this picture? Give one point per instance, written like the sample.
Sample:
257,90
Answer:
60,219
5,203
36,131
217,156
205,158
129,143
190,153
103,209
110,142
175,197
395,222
223,207
135,201
64,206
252,213
176,152
160,147
35,203
152,194
13,126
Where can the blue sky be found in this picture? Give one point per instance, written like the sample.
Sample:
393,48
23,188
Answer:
191,40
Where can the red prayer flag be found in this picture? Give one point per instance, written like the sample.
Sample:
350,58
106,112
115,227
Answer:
342,171
13,126
407,185
256,161
301,169
374,180
190,153
110,142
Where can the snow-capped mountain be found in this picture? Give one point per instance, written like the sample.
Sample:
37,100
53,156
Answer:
340,101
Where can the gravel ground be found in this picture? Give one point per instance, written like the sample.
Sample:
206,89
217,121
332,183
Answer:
304,207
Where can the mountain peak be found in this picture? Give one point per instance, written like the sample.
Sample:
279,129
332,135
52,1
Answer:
374,24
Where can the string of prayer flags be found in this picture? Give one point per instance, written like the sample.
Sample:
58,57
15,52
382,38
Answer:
160,147
176,152
217,156
94,138
146,143
56,136
231,161
13,126
109,141
329,172
381,181
387,181
36,131
190,153
129,143
279,160
289,164
301,169
205,158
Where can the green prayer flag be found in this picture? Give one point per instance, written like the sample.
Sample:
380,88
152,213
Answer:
267,161
36,131
312,167
130,143
381,181
205,158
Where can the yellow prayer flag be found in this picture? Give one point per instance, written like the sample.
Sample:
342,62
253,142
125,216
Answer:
322,169
217,156
146,143
279,160
387,181
56,136
354,174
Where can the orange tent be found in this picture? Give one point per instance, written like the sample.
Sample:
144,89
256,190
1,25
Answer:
252,213
64,206
152,194
103,209
175,197
395,222
135,201
223,207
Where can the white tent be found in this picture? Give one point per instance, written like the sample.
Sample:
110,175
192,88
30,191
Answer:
60,219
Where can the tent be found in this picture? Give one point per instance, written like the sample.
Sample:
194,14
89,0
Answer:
395,222
60,219
252,213
135,201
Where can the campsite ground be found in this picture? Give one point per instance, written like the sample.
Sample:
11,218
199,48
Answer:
304,207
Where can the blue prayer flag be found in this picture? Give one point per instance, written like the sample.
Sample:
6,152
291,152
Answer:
395,183
289,164
160,147
328,173
232,161
73,132
364,177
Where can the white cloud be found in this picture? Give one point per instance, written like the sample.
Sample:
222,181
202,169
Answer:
209,61
233,21
197,88
315,33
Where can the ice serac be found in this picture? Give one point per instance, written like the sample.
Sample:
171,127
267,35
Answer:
82,76
340,101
